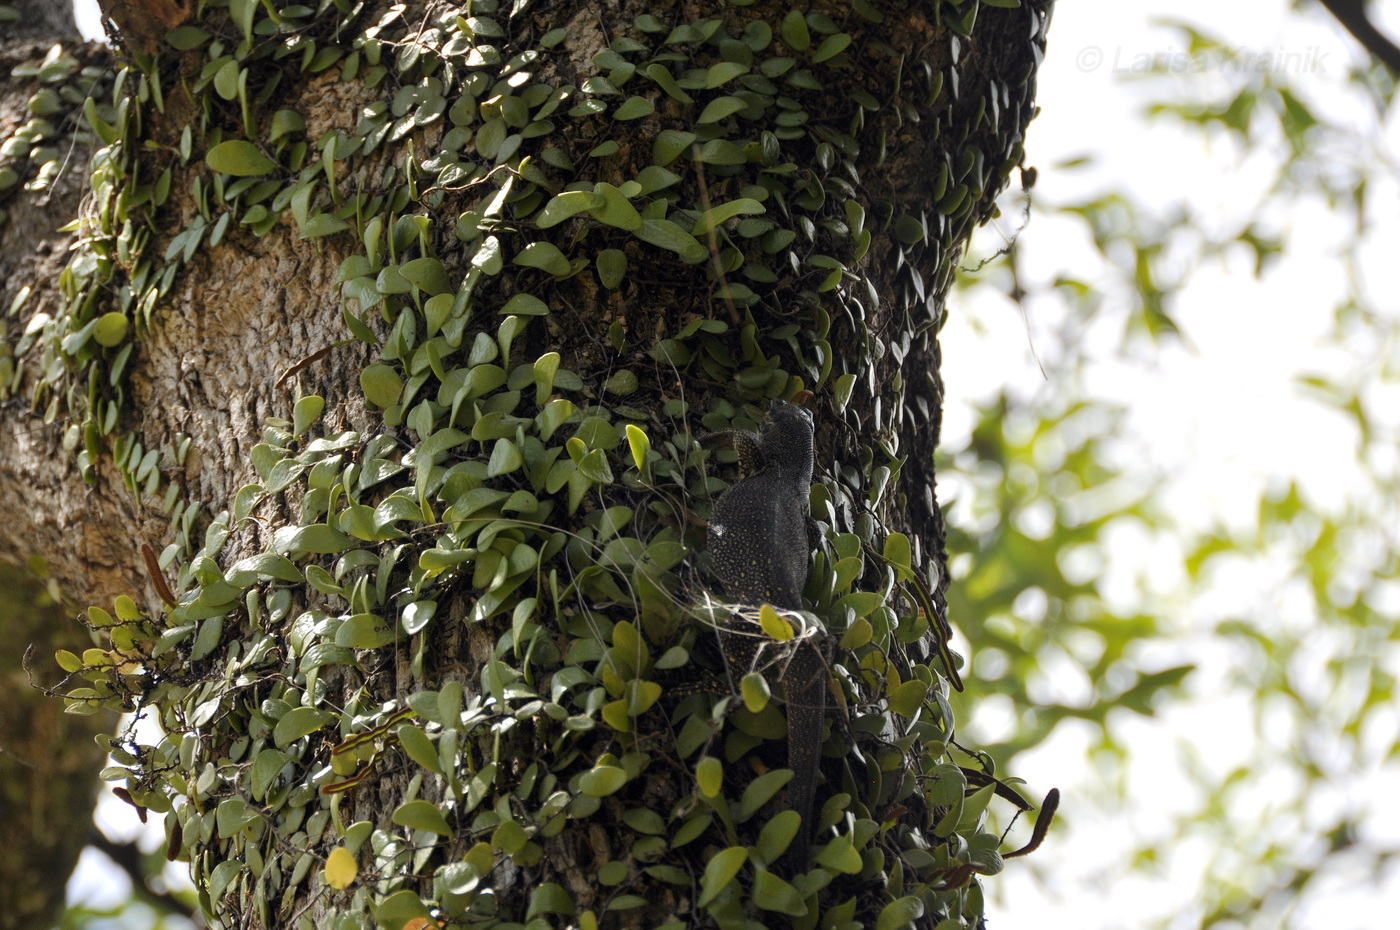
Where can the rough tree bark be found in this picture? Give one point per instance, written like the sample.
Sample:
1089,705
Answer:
389,331
48,760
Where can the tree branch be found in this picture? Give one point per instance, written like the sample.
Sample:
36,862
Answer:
1352,14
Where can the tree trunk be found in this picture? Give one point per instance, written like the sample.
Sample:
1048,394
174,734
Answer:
391,331
48,760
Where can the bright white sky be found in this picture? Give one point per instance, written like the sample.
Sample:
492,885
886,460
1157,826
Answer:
1223,414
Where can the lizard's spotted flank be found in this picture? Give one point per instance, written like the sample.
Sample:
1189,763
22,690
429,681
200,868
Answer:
759,546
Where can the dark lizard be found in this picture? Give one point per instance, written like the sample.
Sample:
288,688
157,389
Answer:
759,547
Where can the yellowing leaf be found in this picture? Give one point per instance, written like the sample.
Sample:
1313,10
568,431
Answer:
640,445
774,626
641,695
709,773
615,715
341,868
754,689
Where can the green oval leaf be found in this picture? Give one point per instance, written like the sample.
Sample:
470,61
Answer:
417,615
899,553
721,152
268,763
832,46
186,38
422,815
525,305
841,389
720,108
653,178
239,158
306,411
777,834
111,329
403,905
622,383
641,695
795,32
862,602
545,256
419,747
664,79
550,898
725,211
723,73
760,790
900,913
612,267
859,633
908,698
315,538
544,370
505,458
616,211
364,631
562,206
669,144
298,722
771,893
671,237
232,815
602,780
634,108
381,384
840,856
427,274
720,871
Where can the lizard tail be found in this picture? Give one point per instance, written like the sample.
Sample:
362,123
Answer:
805,684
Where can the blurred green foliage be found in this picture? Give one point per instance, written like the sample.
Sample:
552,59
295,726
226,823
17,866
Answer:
1309,642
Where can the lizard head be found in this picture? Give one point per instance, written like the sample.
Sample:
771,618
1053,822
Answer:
786,436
